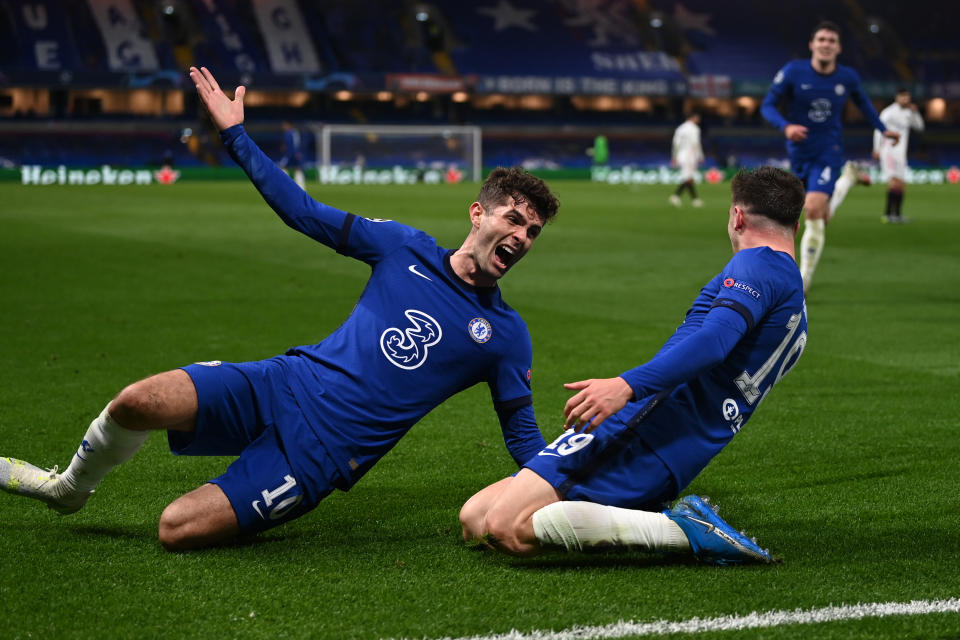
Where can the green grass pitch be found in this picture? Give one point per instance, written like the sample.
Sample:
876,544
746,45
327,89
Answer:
848,472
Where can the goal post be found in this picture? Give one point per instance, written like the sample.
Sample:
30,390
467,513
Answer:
390,154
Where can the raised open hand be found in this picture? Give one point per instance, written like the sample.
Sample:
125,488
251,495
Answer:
223,111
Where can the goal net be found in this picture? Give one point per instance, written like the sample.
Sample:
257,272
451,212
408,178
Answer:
398,154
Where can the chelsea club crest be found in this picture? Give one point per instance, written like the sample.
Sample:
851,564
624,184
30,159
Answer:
480,330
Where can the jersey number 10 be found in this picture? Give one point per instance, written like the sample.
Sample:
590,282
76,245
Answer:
750,385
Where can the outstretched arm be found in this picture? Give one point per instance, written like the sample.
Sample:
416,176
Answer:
294,206
692,355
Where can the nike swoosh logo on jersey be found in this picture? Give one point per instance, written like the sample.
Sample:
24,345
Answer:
256,508
805,86
413,269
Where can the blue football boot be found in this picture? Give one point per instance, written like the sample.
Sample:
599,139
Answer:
711,538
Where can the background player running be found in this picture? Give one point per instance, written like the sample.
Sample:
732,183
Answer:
635,441
686,154
815,92
292,159
901,116
429,323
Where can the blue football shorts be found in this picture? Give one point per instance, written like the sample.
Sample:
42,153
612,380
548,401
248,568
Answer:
602,468
819,173
247,410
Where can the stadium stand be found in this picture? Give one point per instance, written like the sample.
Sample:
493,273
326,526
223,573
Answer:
542,77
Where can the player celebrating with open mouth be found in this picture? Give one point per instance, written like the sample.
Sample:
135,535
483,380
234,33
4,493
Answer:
429,323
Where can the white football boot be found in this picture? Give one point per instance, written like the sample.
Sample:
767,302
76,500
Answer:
22,478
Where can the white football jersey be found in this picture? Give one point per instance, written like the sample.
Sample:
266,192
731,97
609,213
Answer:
901,120
686,142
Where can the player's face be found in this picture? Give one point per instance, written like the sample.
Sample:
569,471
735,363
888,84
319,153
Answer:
825,46
903,99
505,233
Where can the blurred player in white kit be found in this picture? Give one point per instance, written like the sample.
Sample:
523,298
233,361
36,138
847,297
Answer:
687,154
900,116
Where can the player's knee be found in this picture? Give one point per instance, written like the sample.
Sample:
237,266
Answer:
133,404
202,518
817,210
504,533
173,531
471,519
181,528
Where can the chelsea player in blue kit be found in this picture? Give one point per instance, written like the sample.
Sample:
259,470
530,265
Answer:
430,323
292,159
816,91
634,442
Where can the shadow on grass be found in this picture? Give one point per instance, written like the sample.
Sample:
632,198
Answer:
600,560
846,478
116,532
149,536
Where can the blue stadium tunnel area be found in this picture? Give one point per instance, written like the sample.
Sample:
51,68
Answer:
542,79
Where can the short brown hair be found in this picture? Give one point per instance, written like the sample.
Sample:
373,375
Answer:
828,25
522,186
769,192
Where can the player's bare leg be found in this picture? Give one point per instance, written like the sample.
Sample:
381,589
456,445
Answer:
502,513
816,211
524,514
201,518
474,510
164,401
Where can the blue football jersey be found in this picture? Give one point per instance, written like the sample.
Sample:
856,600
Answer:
755,310
816,101
417,335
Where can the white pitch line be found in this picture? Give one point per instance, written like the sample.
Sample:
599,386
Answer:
754,620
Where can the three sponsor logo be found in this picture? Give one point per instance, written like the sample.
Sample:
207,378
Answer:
409,347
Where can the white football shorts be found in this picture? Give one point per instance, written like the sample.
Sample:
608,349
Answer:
892,165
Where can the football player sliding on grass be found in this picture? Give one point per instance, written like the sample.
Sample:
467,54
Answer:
429,323
633,442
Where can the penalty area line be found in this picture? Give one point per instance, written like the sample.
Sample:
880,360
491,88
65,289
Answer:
754,620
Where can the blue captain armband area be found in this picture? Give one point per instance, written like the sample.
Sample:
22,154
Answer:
344,236
728,303
506,409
